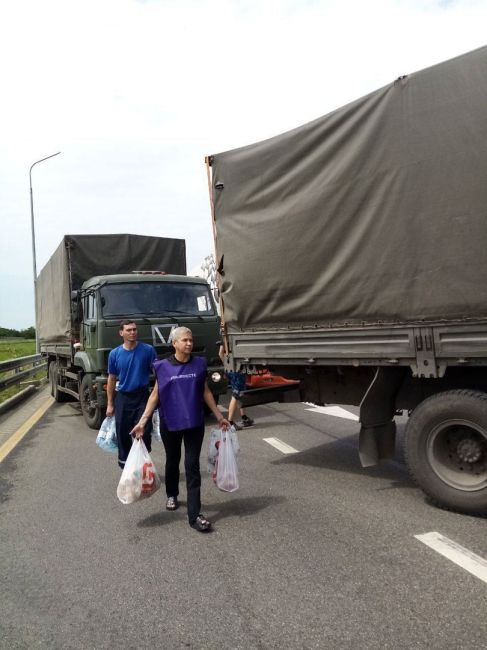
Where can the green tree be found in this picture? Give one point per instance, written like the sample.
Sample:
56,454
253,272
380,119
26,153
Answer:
29,333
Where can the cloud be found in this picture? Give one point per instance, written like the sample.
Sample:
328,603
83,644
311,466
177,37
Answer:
136,93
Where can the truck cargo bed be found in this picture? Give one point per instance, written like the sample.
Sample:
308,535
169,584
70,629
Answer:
427,350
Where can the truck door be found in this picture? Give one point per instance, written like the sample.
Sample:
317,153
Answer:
89,337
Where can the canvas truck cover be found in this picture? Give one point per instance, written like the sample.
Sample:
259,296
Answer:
374,213
80,257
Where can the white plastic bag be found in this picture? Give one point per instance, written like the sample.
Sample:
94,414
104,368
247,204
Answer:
139,478
226,466
156,426
215,435
232,432
107,436
213,449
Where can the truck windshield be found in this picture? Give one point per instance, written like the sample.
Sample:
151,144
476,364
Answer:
155,298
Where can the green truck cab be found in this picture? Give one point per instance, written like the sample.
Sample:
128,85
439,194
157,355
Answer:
79,322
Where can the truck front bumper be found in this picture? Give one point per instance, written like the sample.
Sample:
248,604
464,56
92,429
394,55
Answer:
217,381
101,390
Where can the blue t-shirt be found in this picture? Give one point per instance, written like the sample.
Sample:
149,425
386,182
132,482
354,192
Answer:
132,367
180,388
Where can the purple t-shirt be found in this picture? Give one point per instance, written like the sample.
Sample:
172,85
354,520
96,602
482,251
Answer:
180,390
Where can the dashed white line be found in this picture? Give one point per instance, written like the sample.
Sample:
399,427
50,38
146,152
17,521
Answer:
282,446
461,556
336,411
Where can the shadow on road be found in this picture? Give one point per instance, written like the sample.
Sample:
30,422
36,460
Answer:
239,507
235,508
160,518
342,456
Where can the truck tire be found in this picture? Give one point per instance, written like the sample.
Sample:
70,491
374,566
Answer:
58,395
446,450
92,413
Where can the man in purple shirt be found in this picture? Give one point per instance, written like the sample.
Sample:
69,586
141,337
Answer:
181,390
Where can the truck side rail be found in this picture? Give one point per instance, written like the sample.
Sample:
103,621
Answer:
56,349
427,349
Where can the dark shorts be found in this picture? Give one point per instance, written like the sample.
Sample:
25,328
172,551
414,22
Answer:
237,381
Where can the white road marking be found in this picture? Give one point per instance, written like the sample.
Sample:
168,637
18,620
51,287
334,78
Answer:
469,561
337,411
278,444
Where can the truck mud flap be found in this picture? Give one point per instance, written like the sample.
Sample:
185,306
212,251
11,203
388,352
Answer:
377,443
378,430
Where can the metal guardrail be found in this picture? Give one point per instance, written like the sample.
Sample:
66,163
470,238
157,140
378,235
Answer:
34,360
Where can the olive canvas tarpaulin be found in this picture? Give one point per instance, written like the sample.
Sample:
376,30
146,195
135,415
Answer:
112,254
376,212
80,257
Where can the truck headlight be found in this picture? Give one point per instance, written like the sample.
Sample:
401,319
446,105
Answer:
216,377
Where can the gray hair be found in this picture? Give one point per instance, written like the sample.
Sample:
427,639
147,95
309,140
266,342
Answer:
179,332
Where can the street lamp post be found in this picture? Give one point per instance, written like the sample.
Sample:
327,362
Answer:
34,266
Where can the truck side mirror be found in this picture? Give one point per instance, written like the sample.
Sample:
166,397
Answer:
76,306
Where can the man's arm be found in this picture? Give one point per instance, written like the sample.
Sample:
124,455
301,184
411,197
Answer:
111,383
210,402
221,354
150,407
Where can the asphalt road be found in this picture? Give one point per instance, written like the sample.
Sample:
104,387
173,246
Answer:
312,552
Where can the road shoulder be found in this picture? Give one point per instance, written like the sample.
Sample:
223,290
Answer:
16,423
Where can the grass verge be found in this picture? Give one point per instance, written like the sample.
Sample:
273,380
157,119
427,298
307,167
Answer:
13,349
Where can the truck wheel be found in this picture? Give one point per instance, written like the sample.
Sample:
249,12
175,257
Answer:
92,413
446,450
53,383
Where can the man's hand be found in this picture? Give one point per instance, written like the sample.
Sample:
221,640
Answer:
224,424
110,410
138,430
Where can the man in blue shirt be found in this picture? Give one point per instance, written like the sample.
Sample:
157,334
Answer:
131,364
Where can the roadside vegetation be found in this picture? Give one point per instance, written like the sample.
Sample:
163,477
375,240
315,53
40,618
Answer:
28,333
13,348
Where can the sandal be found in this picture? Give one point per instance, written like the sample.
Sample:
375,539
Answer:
201,524
172,503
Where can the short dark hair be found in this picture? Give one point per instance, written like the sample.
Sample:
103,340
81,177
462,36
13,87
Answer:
126,321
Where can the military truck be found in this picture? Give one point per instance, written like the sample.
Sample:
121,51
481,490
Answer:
90,283
367,235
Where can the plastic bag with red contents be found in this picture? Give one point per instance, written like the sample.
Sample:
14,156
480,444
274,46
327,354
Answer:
139,478
215,435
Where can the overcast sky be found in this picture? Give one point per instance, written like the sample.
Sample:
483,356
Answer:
135,93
